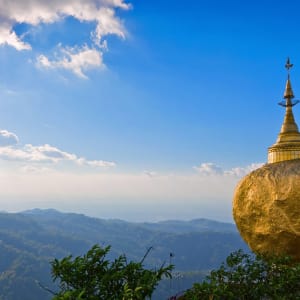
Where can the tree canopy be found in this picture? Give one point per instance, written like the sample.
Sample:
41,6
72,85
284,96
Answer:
244,276
93,276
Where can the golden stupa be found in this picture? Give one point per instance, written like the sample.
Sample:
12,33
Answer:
287,146
266,204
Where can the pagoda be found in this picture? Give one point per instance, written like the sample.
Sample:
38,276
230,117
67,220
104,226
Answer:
287,146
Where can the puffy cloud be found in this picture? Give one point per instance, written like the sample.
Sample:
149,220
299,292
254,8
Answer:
10,38
35,12
211,169
75,60
47,153
100,163
8,138
14,154
242,171
95,163
9,150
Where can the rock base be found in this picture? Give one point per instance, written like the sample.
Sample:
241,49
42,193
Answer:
266,209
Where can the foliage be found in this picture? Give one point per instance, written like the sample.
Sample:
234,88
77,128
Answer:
244,276
93,276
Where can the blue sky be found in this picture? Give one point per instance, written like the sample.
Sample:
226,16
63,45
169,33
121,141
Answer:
142,110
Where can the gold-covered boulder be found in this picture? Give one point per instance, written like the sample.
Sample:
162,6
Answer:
266,209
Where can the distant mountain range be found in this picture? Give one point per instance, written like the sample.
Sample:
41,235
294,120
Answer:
31,239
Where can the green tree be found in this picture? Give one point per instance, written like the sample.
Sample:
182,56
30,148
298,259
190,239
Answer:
245,276
93,276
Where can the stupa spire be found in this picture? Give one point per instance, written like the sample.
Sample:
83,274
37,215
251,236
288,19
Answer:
287,146
288,93
289,124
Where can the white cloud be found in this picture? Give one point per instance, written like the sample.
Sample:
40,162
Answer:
10,38
242,171
211,169
11,151
8,138
35,12
47,153
75,60
95,163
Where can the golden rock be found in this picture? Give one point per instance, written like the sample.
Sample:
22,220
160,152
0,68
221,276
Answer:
266,209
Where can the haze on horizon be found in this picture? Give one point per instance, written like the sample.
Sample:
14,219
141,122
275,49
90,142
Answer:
139,110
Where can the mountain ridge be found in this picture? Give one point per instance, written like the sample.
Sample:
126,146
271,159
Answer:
30,239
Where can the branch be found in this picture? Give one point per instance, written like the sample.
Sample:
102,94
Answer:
45,288
146,254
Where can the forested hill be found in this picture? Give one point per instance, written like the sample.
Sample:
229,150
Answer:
29,240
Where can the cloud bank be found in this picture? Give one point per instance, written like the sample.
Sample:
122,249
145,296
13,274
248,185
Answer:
211,169
10,150
77,59
138,196
30,177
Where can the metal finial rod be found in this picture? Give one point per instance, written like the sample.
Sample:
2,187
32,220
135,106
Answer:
288,66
